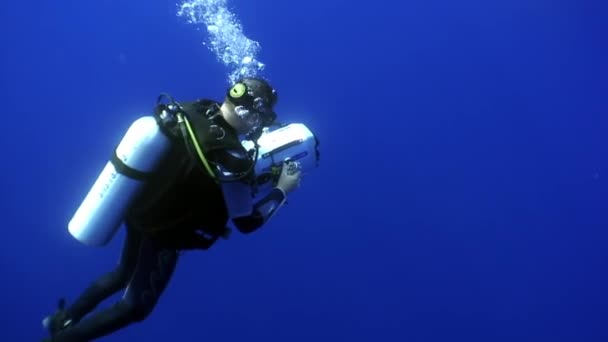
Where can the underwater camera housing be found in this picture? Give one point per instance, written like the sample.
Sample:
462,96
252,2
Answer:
292,142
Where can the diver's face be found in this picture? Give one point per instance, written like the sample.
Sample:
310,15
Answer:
240,118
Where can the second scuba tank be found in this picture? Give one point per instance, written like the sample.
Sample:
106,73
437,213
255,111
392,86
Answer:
102,211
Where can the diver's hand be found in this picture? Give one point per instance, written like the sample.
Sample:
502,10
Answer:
290,177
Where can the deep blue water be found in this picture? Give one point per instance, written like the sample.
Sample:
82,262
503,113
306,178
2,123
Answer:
462,193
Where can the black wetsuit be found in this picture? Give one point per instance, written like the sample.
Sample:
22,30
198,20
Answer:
181,209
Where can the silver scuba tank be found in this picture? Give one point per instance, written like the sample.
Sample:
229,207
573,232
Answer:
101,213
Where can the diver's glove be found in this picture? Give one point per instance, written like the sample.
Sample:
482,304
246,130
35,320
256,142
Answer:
291,175
57,321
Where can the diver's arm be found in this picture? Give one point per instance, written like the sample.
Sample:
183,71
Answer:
263,211
268,206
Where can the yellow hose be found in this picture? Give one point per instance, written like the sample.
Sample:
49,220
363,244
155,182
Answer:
199,151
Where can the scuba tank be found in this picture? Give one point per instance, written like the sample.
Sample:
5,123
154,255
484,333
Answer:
102,211
145,144
292,142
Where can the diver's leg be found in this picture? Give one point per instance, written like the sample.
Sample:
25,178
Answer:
99,290
111,282
154,270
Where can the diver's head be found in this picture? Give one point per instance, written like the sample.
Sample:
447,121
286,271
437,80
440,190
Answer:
249,105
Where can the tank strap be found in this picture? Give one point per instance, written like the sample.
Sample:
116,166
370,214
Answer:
128,171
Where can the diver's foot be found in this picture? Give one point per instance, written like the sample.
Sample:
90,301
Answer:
57,321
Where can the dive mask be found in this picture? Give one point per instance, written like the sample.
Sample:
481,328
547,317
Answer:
253,109
255,116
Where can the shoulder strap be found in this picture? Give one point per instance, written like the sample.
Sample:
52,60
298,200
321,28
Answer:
203,131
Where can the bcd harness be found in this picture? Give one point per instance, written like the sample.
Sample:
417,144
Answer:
202,135
179,124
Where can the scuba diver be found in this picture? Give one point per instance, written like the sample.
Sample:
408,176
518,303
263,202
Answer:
182,206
